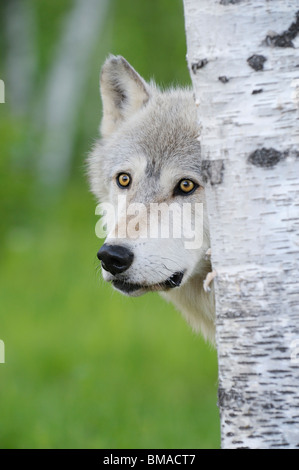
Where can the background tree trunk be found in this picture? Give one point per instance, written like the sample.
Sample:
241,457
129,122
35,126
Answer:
244,62
64,90
20,31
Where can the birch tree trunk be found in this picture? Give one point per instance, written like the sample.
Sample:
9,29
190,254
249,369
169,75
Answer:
244,62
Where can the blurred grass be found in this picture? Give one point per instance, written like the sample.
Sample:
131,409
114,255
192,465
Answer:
86,367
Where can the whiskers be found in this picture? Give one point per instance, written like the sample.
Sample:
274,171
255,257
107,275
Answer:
98,270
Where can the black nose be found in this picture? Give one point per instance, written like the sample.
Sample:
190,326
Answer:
115,258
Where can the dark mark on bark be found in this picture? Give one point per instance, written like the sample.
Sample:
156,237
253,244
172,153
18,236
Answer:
212,171
223,79
266,158
281,348
285,39
256,62
198,65
230,2
268,406
255,92
225,397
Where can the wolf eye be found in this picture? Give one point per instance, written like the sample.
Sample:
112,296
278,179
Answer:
185,187
123,180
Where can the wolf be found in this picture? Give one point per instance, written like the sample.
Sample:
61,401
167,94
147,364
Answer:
149,153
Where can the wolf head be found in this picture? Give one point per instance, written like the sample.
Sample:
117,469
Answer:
147,167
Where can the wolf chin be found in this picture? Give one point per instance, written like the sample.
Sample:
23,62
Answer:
149,151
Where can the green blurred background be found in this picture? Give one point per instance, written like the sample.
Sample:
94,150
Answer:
84,366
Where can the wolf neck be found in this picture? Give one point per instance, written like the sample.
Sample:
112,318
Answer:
196,305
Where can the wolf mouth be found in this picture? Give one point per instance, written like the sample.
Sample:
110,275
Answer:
129,287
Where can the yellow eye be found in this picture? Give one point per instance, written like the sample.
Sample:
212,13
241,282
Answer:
186,186
123,180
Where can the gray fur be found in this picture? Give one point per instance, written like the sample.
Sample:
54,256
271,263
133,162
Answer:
154,136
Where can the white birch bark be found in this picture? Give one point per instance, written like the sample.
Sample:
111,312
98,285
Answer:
244,62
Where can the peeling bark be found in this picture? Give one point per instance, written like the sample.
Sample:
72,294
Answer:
251,126
286,38
198,65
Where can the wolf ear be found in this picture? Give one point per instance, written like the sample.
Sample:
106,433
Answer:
123,93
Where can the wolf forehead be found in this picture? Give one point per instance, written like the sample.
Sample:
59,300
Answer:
140,120
161,132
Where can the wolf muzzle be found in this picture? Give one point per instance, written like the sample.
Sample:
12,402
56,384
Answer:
115,258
